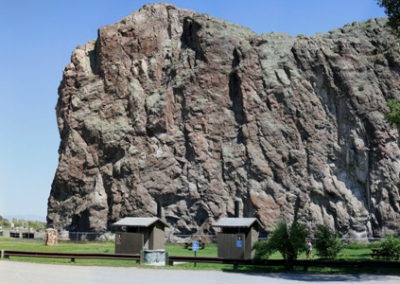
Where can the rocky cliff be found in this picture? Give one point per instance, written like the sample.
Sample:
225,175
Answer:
182,109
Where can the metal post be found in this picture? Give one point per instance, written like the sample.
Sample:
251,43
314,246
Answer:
195,248
167,259
141,256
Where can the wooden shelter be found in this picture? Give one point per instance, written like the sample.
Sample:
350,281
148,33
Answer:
135,234
237,237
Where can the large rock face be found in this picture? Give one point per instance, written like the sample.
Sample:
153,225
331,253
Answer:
173,107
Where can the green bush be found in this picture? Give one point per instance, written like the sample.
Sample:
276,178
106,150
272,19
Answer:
392,10
289,241
393,115
390,247
4,222
328,243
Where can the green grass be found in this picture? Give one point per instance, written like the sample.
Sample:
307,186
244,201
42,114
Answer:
72,247
34,245
355,254
95,247
351,252
210,250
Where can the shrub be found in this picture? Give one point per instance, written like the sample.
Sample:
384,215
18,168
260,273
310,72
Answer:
390,247
393,115
328,243
4,222
288,241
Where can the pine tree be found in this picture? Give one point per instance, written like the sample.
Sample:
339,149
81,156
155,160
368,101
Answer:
392,10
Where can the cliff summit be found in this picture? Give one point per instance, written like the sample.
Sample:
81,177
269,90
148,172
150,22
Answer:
184,110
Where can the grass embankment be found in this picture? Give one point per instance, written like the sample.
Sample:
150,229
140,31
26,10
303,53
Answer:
96,247
71,247
351,252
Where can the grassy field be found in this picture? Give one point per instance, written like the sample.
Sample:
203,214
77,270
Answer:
352,252
93,247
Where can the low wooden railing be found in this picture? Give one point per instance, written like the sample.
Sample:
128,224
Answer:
71,256
281,262
173,259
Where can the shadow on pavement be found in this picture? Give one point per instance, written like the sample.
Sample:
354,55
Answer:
315,277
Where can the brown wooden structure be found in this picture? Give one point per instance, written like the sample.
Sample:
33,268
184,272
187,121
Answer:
237,237
135,234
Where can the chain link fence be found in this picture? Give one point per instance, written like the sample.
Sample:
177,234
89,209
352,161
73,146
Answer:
110,236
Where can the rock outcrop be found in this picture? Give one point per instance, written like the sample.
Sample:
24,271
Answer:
182,109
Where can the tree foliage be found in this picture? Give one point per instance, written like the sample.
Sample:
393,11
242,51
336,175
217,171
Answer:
390,247
4,222
328,243
392,10
289,241
393,115
36,225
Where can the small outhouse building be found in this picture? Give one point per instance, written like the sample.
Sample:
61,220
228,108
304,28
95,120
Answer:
135,234
237,237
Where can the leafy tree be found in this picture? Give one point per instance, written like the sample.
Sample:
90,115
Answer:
390,247
4,222
393,115
289,241
36,225
392,10
328,243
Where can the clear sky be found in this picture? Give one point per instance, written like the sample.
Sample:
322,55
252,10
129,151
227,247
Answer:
36,42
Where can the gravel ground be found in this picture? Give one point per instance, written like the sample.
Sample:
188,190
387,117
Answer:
33,273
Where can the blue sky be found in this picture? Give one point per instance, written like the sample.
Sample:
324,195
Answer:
36,42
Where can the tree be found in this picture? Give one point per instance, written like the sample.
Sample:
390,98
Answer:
328,242
36,225
392,10
393,115
390,247
4,222
289,241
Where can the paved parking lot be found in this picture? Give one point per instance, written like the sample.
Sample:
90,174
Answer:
20,273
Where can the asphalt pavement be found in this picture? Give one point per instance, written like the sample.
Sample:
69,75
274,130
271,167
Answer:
12,272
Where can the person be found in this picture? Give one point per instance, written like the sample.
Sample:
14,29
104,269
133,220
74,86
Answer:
309,248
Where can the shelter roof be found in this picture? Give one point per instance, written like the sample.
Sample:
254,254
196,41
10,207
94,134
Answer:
236,222
139,222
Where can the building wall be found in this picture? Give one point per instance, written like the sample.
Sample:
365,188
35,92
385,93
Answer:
254,239
237,243
157,238
126,242
228,245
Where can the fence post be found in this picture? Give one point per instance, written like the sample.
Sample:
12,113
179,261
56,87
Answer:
167,259
141,257
2,254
